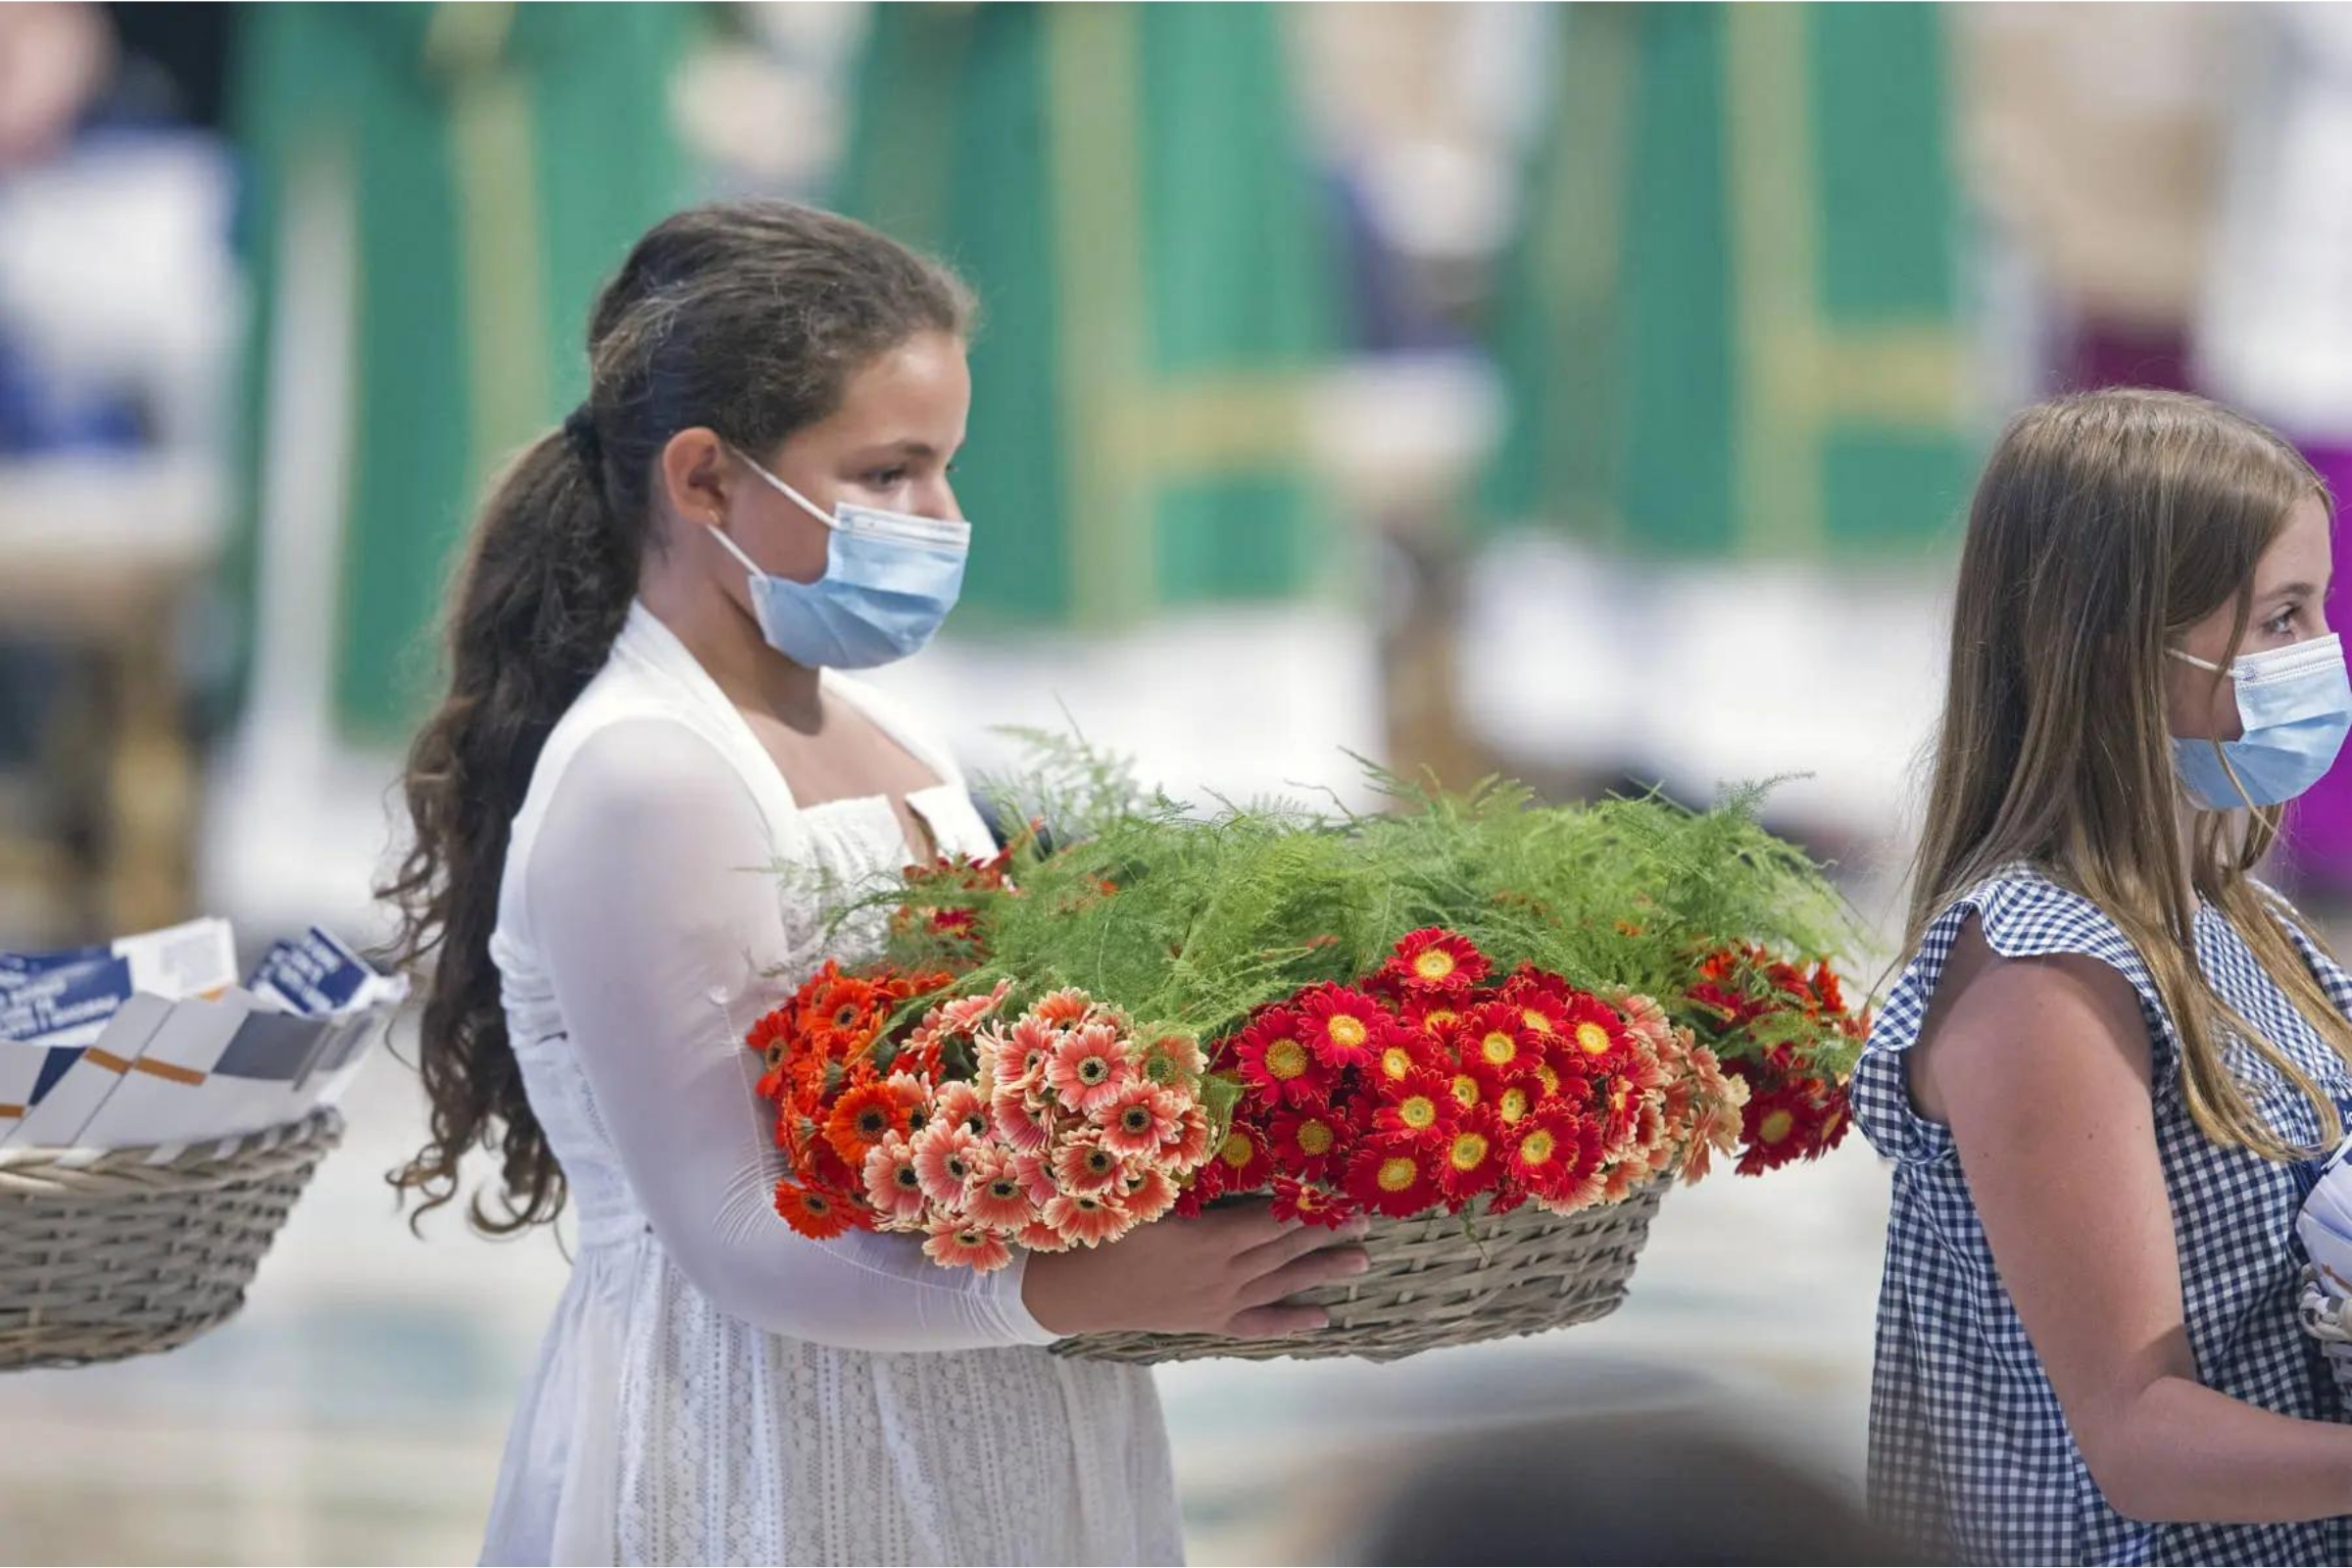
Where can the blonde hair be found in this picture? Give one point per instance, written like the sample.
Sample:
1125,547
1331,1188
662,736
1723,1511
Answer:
2105,525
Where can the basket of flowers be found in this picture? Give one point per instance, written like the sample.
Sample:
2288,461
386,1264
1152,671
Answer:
1498,1030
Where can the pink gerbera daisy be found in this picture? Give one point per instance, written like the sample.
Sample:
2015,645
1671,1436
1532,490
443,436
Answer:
1150,1193
1087,1219
1140,1120
995,1194
1021,1122
1189,1147
892,1184
960,1101
1090,1068
1035,1173
958,1244
943,1161
1022,1052
1082,1164
1065,1008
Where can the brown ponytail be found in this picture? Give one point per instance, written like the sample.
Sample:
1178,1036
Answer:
747,318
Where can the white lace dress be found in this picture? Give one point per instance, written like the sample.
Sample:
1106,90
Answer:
714,1387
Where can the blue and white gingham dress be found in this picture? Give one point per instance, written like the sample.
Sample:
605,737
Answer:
1969,1450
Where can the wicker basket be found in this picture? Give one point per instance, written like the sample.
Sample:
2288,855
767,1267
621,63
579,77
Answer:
1441,1281
117,1258
2328,1321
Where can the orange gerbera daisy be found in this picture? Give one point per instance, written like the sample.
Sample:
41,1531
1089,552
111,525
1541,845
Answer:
1065,1008
958,1101
1344,1028
812,1212
1308,1144
1022,1122
1273,1055
1471,1160
959,1243
1310,1204
861,1118
1395,1176
1435,961
1173,1058
1039,1236
1020,1053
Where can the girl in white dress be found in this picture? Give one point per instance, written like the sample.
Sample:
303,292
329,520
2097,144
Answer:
645,718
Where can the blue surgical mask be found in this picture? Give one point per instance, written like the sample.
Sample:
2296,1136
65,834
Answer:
890,580
2294,704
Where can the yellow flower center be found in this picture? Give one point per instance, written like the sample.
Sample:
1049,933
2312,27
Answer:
1438,1018
1285,1059
1347,1032
1469,1152
1535,1020
1314,1137
1417,1111
1592,1038
1236,1150
1547,1078
1395,1062
1536,1149
1396,1173
1433,963
1465,1089
1774,1126
1499,1049
1514,1105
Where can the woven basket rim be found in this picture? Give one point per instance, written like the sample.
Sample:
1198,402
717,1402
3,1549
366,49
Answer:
71,1173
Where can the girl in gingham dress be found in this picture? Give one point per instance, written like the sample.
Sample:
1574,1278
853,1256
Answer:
2114,1055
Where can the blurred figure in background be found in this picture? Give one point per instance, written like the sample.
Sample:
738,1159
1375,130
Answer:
1618,1490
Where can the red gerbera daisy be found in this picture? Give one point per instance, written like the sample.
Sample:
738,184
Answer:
1422,1107
1551,1152
1310,1204
1243,1162
1307,1144
861,1118
1273,1056
1434,962
1395,1176
1401,1054
1344,1028
814,1213
1472,1160
1432,1016
1493,1043
1599,1043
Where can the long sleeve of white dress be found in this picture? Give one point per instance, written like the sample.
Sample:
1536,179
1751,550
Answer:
654,910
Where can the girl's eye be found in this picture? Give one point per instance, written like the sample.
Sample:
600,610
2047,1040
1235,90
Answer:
2282,623
886,478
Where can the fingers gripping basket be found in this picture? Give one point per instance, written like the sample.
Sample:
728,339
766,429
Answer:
113,1257
2328,1321
1440,1281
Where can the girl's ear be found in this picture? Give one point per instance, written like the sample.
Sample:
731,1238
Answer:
692,481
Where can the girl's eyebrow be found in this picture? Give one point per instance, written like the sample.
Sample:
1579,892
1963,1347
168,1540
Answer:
2292,590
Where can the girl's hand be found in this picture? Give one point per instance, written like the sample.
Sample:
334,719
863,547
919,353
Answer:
1230,1271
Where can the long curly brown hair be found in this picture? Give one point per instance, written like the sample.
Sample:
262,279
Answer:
747,318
